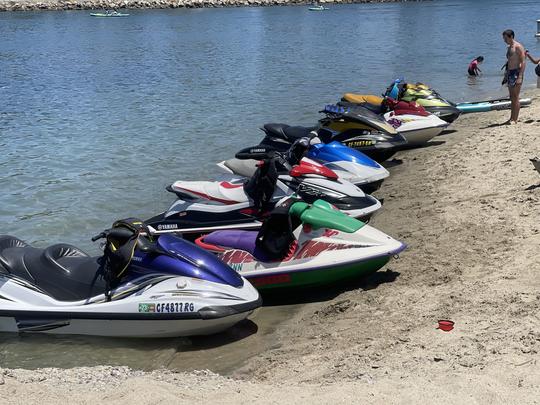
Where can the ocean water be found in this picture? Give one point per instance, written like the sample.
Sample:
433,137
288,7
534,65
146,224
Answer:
97,116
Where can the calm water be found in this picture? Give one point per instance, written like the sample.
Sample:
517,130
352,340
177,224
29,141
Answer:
97,116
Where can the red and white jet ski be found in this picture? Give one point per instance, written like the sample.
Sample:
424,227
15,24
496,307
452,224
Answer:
203,206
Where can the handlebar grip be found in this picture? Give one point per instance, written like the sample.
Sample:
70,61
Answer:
101,235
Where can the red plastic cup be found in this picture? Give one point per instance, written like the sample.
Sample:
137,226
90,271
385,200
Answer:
446,325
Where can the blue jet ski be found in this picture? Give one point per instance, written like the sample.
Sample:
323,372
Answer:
349,164
140,287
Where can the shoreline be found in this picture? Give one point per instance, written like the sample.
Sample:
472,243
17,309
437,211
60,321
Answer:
467,206
124,5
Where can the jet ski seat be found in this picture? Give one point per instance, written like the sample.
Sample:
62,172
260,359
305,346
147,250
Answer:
62,271
275,240
236,239
289,133
209,192
6,242
53,254
242,167
362,99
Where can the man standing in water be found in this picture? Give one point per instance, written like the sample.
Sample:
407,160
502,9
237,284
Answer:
515,71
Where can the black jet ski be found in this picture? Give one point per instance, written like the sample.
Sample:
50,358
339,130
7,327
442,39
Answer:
358,129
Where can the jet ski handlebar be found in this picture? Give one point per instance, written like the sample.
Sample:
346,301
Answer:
99,236
259,152
117,233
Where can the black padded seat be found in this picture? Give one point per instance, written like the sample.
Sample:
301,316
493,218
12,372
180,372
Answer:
288,132
63,271
6,242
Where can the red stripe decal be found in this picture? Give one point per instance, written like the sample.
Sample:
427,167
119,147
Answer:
267,280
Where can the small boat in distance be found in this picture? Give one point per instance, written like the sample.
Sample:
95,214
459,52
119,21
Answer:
318,8
109,14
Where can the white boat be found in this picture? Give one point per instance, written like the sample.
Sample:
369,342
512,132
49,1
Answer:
318,8
109,14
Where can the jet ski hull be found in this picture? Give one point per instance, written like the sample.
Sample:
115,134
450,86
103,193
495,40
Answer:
417,130
446,113
420,137
370,188
65,324
313,278
311,273
378,154
174,307
317,257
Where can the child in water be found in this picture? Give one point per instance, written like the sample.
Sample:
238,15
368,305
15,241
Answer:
474,70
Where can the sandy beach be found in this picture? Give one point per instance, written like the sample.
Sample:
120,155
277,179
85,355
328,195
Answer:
468,208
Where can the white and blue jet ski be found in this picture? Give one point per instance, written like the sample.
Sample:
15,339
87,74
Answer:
349,164
138,288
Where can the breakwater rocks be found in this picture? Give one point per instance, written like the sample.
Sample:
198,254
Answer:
23,5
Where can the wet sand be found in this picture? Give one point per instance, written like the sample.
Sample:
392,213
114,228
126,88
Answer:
468,207
221,353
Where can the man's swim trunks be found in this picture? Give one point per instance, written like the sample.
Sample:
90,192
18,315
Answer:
513,75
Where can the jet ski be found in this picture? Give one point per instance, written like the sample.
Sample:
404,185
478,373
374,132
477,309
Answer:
349,164
360,128
302,246
427,98
379,141
203,206
421,90
411,120
140,287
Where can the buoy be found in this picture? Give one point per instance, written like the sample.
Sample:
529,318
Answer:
537,29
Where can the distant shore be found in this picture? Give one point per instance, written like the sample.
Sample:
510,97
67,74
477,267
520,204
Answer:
32,5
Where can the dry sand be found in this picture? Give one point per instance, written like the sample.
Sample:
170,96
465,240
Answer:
469,211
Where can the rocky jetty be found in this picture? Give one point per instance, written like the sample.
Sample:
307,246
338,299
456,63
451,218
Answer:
23,5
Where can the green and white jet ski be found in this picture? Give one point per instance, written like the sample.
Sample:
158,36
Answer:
303,245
